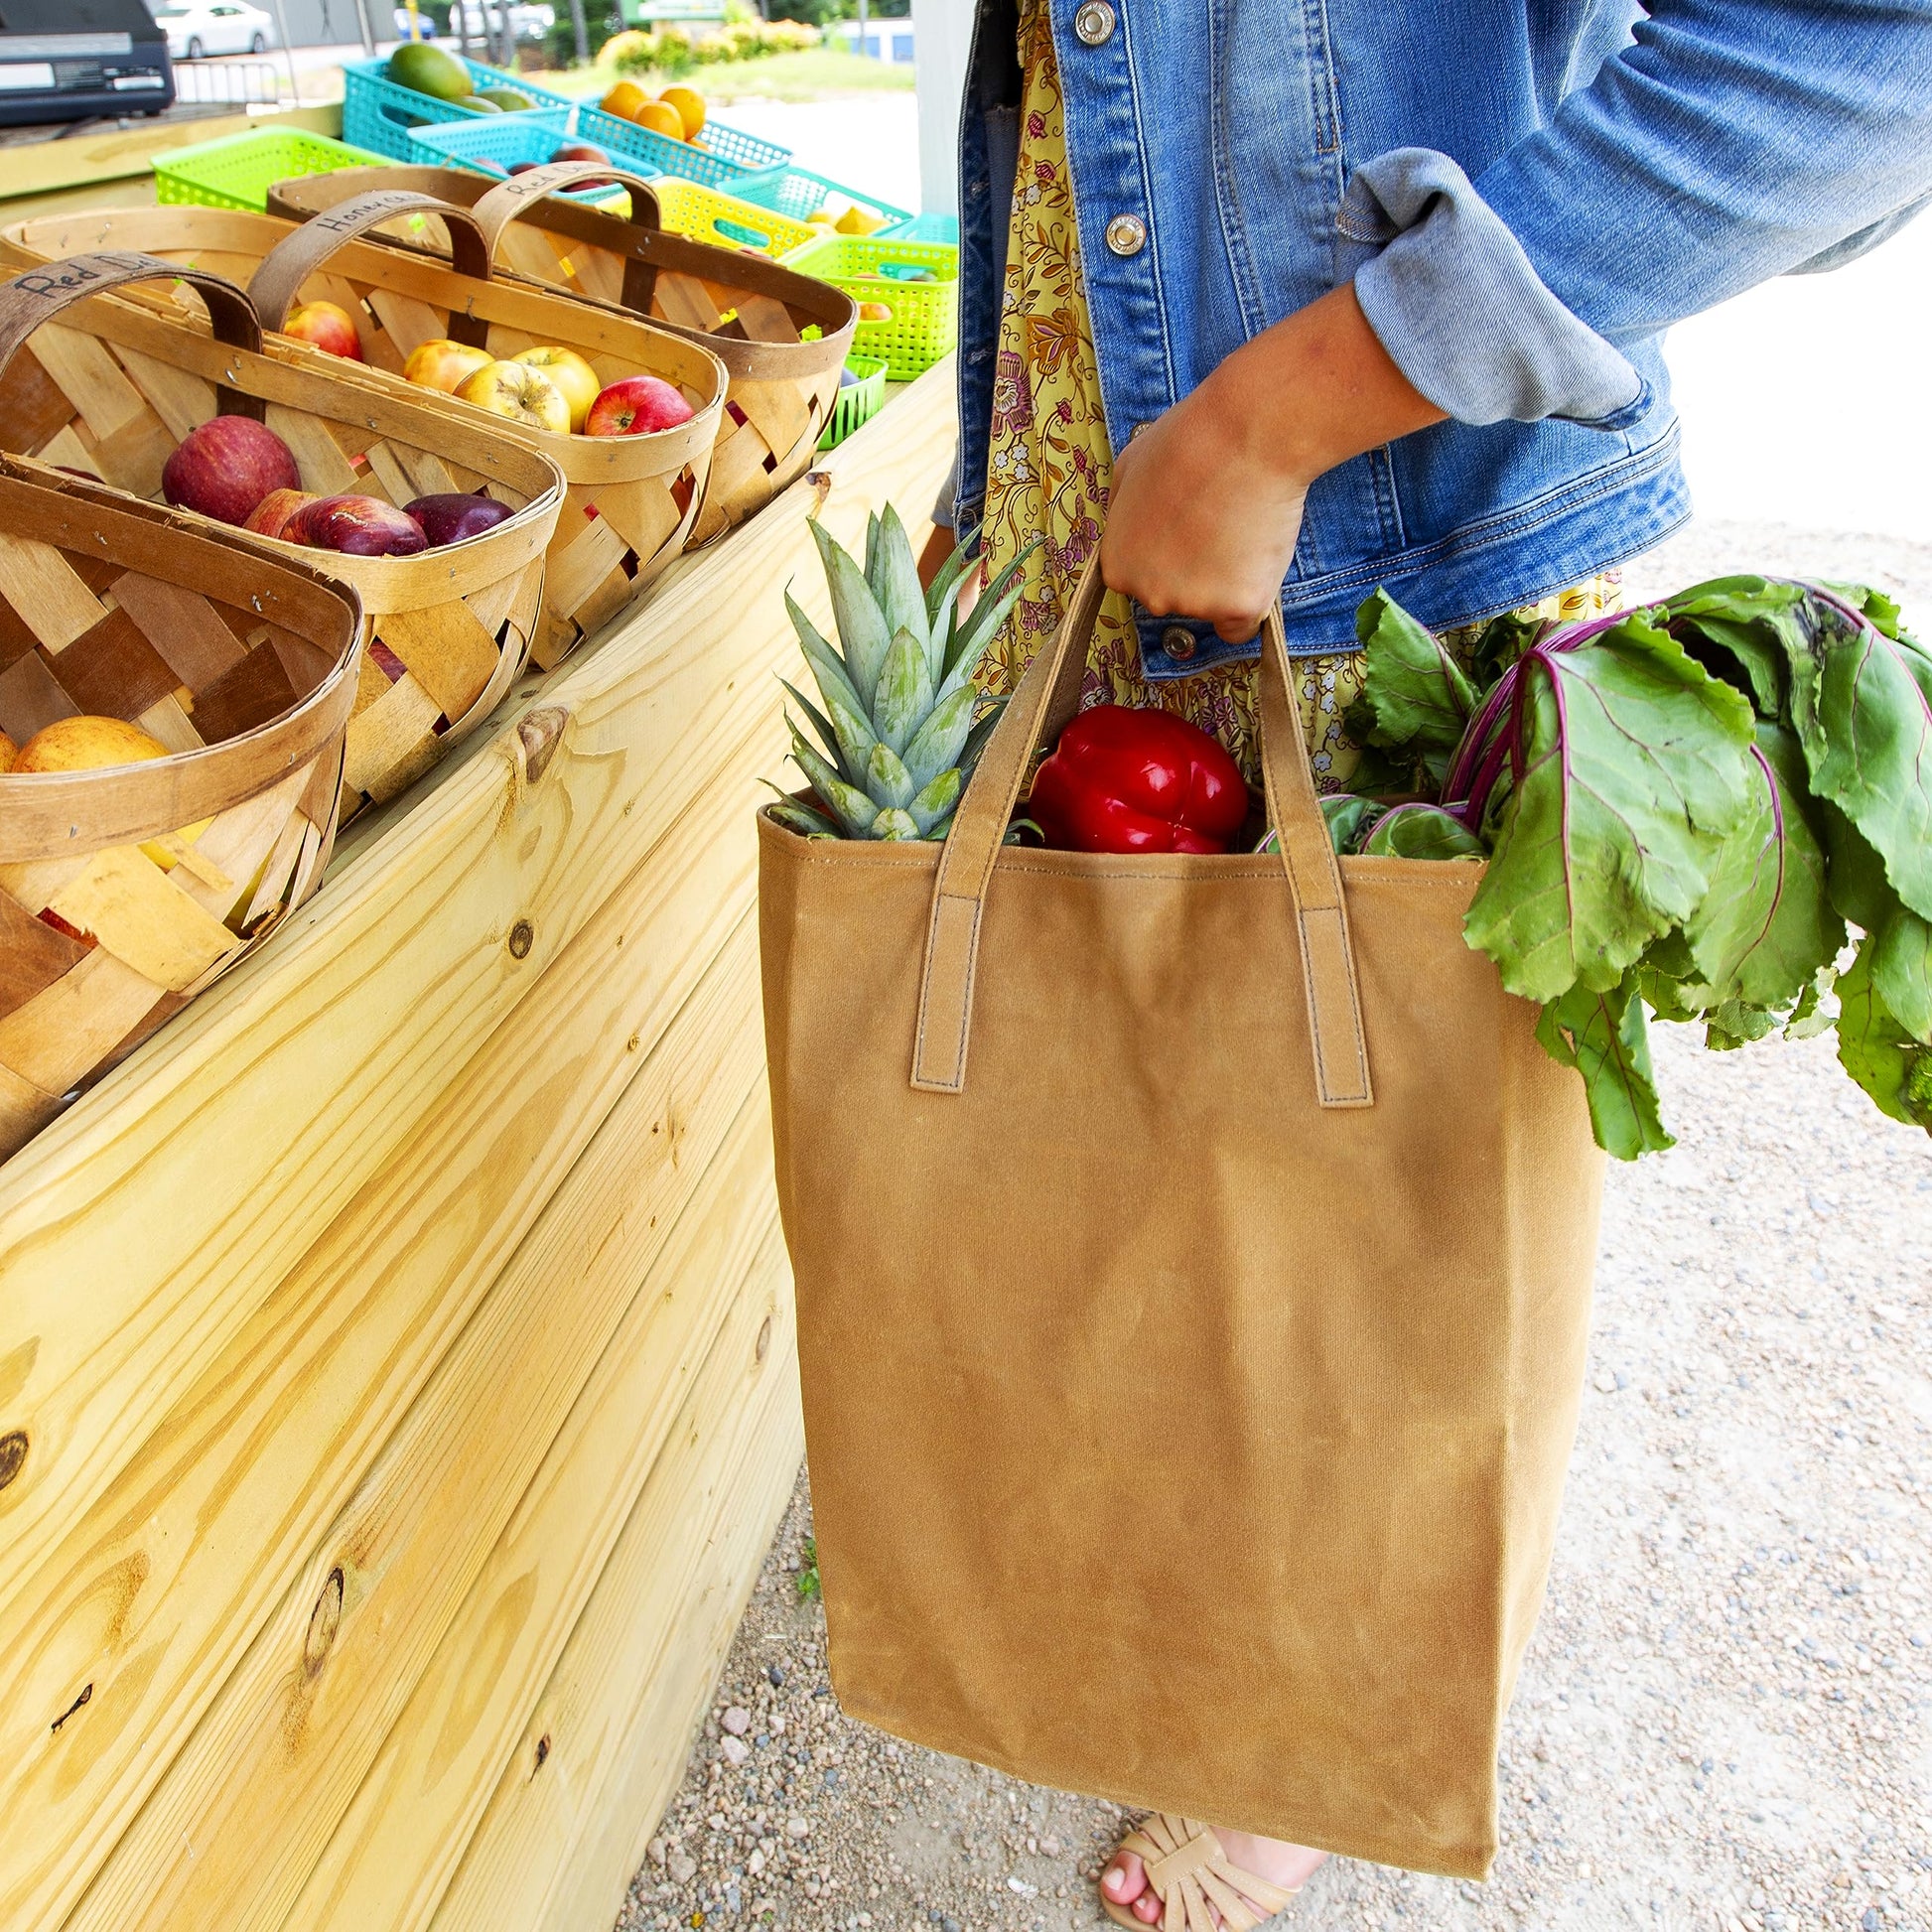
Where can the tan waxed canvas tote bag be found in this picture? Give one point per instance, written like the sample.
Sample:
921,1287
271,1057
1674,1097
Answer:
1194,1262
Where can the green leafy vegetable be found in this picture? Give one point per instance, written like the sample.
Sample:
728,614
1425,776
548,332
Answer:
1685,807
1414,693
1628,778
1418,831
1604,1035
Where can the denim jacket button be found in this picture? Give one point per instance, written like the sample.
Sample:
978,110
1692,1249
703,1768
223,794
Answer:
1094,22
1127,234
1179,643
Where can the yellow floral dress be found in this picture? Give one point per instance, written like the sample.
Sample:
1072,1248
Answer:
1050,460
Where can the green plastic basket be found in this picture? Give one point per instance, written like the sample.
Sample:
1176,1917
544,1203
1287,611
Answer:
688,207
239,170
857,403
923,320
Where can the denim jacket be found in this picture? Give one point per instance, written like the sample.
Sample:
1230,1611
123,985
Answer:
1526,193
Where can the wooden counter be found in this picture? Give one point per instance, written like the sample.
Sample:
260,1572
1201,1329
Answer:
397,1384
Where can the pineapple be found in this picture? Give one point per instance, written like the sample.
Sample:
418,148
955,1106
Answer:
903,723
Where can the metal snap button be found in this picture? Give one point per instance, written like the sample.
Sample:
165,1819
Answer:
1094,22
1127,234
1179,643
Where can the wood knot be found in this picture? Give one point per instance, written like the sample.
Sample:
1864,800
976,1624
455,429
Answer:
86,1697
538,734
523,936
323,1621
543,1750
13,1454
765,1338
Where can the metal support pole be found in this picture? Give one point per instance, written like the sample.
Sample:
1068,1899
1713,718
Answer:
942,32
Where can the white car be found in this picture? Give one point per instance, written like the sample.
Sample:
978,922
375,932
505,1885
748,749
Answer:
197,28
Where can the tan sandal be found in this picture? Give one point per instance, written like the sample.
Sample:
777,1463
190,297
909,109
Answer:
1194,1879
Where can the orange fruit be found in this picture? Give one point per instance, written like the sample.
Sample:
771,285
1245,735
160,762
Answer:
624,100
660,118
690,108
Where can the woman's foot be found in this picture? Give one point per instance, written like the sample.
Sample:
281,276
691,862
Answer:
1123,1882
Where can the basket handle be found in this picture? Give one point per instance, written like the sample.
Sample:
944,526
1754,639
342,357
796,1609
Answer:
42,293
1048,697
649,250
518,194
276,283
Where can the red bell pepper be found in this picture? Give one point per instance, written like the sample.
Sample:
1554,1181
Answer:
1128,780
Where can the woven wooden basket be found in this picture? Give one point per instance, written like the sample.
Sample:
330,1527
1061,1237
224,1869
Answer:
125,890
632,499
113,386
783,345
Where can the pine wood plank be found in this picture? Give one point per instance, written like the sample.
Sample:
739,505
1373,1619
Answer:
265,1451
46,591
242,1814
392,1855
556,1847
180,1249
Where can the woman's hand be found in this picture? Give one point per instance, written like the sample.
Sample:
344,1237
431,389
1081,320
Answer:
1206,503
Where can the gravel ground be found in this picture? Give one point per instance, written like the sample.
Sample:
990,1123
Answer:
1722,1721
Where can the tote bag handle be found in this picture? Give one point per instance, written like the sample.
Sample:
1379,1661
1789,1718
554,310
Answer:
1046,700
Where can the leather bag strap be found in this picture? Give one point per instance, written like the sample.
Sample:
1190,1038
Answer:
521,194
1045,701
276,283
42,293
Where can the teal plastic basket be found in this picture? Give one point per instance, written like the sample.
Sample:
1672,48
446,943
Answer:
942,229
857,402
922,322
728,158
238,170
800,193
378,114
492,144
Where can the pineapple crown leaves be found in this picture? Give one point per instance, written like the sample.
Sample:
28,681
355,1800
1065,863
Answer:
902,723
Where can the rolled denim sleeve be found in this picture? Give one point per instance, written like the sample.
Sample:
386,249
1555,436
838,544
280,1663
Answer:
1732,140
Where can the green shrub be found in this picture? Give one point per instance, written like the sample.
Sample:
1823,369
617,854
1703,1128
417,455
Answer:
670,50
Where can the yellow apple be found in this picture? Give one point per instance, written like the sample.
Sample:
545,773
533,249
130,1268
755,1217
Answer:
440,364
8,751
571,373
89,743
519,392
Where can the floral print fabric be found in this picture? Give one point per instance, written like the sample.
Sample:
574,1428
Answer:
1050,462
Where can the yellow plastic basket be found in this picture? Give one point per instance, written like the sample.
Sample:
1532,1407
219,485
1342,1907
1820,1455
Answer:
688,207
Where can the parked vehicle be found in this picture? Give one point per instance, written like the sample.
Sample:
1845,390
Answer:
197,28
54,66
529,22
423,29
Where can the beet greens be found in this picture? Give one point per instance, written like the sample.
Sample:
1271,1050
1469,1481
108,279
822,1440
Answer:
1683,807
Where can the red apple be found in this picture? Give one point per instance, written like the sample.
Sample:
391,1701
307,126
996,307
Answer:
523,166
225,466
328,327
454,516
275,509
636,405
585,151
357,527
